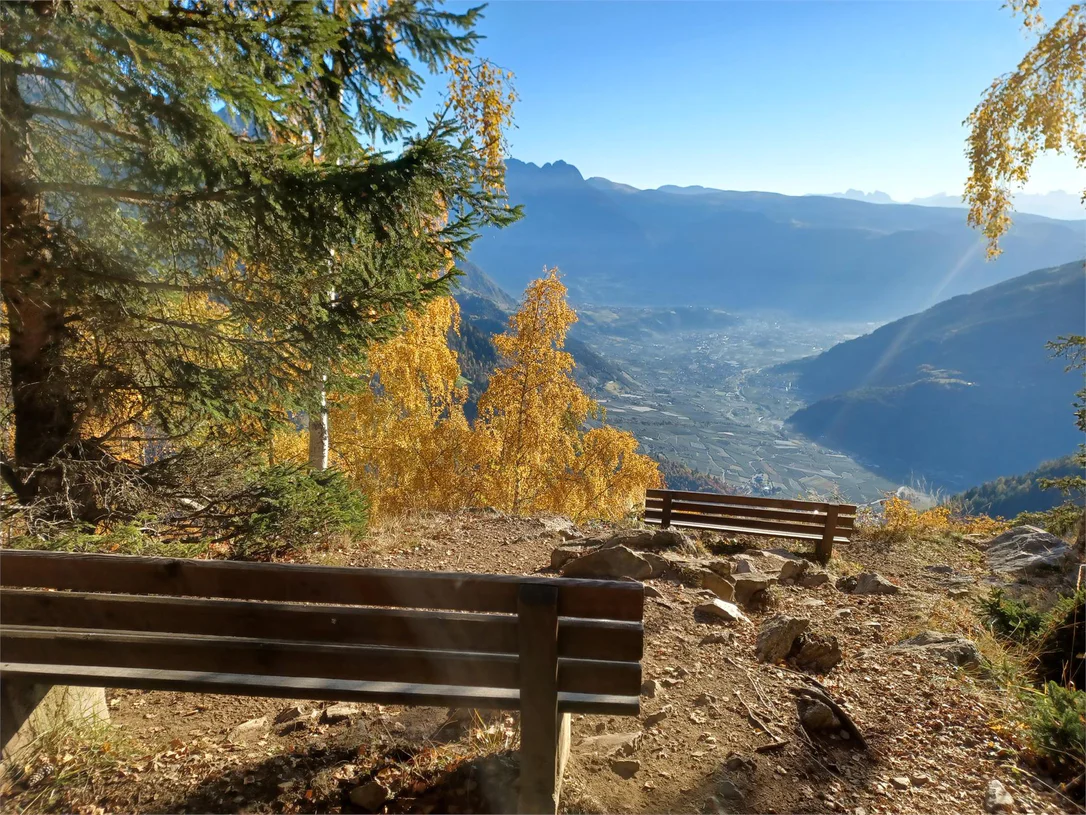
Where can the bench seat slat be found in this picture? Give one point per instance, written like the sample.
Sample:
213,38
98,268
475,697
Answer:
290,658
407,628
742,530
294,687
785,529
127,574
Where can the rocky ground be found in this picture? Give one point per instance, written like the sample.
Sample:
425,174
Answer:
772,685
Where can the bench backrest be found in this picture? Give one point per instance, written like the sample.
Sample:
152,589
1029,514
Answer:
472,631
823,523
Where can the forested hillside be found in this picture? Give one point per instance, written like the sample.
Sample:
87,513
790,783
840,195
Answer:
963,392
813,256
1007,496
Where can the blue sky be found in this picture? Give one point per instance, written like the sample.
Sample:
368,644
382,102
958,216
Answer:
793,97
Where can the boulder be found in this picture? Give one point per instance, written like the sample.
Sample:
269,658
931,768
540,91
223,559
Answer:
816,652
742,564
749,586
659,565
867,583
564,554
291,713
793,569
608,562
369,796
955,649
997,799
721,610
722,587
1026,551
648,539
776,636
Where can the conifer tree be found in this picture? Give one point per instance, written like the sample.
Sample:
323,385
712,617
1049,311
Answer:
183,182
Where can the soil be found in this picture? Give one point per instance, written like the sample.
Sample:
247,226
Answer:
933,731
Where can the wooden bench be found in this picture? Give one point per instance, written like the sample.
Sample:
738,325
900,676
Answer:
544,646
823,523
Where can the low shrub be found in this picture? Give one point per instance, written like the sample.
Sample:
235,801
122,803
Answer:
287,508
1062,521
1056,720
133,538
1013,619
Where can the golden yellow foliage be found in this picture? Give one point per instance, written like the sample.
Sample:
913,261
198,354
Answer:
482,96
1040,106
532,418
404,440
900,519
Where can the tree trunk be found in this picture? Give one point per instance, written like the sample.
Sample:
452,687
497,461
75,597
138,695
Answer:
43,407
318,433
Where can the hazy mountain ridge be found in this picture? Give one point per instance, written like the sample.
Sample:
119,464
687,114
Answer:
810,256
960,393
1008,496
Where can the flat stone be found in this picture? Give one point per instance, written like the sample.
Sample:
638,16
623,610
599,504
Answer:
940,568
813,578
722,587
369,796
776,636
1026,551
612,744
653,592
721,610
900,782
997,799
649,688
339,712
654,719
252,729
625,767
612,561
955,649
564,554
747,586
867,583
291,713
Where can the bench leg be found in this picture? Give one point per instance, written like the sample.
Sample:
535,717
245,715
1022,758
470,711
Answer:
824,547
28,709
540,730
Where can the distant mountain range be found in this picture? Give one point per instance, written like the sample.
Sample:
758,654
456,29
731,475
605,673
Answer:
810,256
1056,204
1007,496
960,393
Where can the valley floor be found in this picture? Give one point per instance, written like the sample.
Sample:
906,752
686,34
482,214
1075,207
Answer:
933,730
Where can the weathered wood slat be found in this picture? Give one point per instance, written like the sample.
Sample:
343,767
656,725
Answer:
294,687
742,530
602,599
540,677
679,518
654,507
748,500
440,630
287,658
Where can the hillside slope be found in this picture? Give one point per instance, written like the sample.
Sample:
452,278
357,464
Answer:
811,256
958,394
1007,496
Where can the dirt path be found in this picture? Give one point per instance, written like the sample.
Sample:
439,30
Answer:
929,726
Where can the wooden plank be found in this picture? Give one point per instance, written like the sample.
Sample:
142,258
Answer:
438,630
126,574
824,548
654,509
747,500
294,687
740,530
678,518
287,658
538,619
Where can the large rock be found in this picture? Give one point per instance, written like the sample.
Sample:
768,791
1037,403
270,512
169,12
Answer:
647,539
370,796
955,649
816,652
997,799
816,716
722,587
776,636
564,554
751,585
867,583
721,610
608,562
1026,551
813,578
